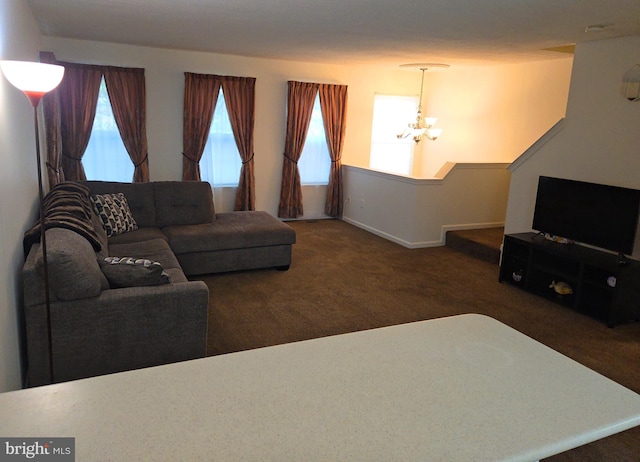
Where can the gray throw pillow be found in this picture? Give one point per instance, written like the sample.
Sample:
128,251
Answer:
133,272
114,212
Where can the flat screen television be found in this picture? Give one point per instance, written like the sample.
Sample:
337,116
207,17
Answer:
599,215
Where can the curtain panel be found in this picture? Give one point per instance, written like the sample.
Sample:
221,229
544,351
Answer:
51,117
333,102
127,93
300,99
78,97
69,112
240,101
200,98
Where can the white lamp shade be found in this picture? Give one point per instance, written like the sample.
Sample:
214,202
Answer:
32,77
434,133
430,121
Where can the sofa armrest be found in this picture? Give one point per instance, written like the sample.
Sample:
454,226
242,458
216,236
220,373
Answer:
121,329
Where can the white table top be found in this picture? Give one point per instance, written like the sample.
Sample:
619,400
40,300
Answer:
460,388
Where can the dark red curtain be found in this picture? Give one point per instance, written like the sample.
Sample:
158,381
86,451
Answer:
78,98
200,97
333,102
127,93
239,96
69,112
51,117
300,100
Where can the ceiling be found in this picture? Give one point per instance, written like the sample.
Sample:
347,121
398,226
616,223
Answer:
389,32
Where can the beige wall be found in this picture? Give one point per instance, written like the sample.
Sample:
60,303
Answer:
489,114
19,39
600,139
493,113
164,71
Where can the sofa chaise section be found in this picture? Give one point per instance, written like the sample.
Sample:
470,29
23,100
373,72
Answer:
204,242
234,241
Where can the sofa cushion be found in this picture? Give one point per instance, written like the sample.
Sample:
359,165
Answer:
113,209
140,197
133,272
183,203
138,235
74,272
231,230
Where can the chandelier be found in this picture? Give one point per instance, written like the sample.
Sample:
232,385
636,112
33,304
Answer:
422,126
631,83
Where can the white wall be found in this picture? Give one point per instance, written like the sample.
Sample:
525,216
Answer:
600,139
416,212
20,40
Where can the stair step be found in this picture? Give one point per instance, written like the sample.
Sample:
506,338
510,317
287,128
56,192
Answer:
480,243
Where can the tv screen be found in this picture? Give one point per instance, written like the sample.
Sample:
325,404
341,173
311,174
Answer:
599,215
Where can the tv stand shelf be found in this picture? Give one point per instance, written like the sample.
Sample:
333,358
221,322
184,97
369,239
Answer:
601,286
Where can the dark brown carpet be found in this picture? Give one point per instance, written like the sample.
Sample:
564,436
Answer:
344,279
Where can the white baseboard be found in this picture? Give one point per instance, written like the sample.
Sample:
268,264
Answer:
422,244
390,237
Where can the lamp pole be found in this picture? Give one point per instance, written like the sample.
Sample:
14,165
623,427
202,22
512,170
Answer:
43,234
35,80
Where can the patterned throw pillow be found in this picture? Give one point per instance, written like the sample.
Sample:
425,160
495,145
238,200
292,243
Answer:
133,272
113,210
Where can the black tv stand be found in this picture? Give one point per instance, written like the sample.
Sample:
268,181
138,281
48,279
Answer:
603,285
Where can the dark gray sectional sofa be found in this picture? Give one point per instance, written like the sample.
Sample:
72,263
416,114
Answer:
98,326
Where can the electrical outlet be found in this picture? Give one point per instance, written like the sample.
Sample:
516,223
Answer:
361,203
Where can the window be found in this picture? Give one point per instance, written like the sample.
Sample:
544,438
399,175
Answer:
391,114
106,158
315,162
221,163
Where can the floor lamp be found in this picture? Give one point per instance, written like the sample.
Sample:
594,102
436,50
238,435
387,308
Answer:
35,80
